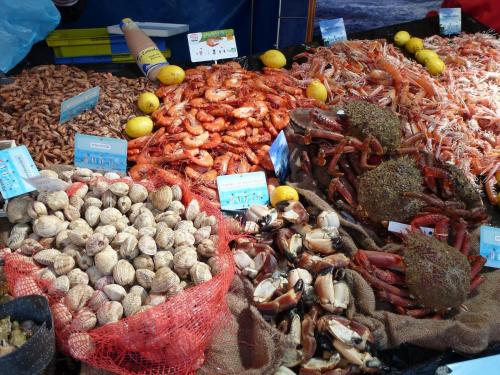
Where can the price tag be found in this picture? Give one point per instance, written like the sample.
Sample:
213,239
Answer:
280,156
332,31
484,366
450,21
43,183
212,45
16,164
489,245
78,104
396,227
240,191
101,153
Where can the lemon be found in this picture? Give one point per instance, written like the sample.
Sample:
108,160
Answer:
401,38
273,59
414,44
435,66
139,126
171,75
316,90
148,102
424,54
283,193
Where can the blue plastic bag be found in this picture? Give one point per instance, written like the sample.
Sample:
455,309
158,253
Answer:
22,24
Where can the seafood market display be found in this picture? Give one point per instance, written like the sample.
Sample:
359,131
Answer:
14,334
107,249
30,109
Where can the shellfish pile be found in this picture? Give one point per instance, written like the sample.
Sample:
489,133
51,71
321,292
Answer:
14,334
108,249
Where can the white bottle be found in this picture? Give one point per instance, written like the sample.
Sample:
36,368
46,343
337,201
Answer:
147,55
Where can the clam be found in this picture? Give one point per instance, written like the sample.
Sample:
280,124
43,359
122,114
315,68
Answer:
59,285
61,315
47,226
184,260
135,210
147,245
202,234
210,221
145,219
30,247
112,176
124,204
47,242
103,281
163,259
17,210
92,202
119,189
63,264
77,276
97,300
177,207
57,200
121,224
81,191
200,273
164,279
85,320
96,243
71,250
140,291
131,303
165,238
155,299
115,292
46,257
77,297
110,215
192,210
92,215
214,264
94,274
84,261
137,193
108,199
106,260
144,277
183,238
76,202
62,239
100,187
170,218
36,209
71,213
176,192
144,261
124,273
129,249
80,235
176,289
79,223
147,231
162,198
109,231
199,219
47,274
17,235
119,239
60,216
81,345
207,248
133,231
185,225
82,175
109,312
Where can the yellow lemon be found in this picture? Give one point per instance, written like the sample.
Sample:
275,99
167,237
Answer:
316,90
424,54
401,37
148,102
139,126
273,59
414,44
435,66
171,75
283,193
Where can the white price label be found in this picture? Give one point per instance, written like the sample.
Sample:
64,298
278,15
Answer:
212,45
396,227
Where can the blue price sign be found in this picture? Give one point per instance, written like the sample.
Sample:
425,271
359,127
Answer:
489,245
332,31
280,155
101,153
240,191
16,165
450,21
78,104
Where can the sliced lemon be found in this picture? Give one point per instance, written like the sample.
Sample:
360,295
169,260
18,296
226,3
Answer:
139,126
401,37
283,193
273,59
148,102
171,75
414,44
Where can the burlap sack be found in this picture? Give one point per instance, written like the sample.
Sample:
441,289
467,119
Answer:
467,332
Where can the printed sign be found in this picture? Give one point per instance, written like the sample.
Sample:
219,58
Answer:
280,155
16,164
450,21
489,245
332,31
484,366
44,183
80,103
240,191
101,153
396,227
212,45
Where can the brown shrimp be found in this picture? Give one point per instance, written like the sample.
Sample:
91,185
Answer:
197,141
218,95
192,125
203,116
203,159
216,126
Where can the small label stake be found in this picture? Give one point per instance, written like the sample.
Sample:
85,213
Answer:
80,103
212,45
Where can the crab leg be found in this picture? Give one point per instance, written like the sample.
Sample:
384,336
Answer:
339,184
415,313
349,172
441,230
476,282
459,227
465,249
338,152
384,260
384,275
283,302
379,284
477,263
422,221
365,153
396,300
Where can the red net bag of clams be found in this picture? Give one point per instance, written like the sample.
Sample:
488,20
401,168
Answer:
167,339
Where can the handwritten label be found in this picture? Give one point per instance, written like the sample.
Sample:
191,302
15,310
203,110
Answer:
101,153
489,245
44,183
212,45
332,31
280,155
396,227
16,164
450,21
80,103
240,191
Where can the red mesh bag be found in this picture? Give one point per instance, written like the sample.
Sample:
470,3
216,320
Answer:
168,339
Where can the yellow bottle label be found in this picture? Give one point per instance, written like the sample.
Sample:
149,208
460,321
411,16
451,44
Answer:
150,58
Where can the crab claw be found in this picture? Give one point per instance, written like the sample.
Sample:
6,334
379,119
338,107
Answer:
323,240
328,219
364,360
283,302
333,295
265,290
289,243
299,274
318,365
256,212
338,327
294,212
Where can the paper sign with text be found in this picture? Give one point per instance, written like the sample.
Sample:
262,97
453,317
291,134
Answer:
80,103
332,31
101,153
481,366
396,227
16,164
212,45
280,155
240,191
489,245
450,21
